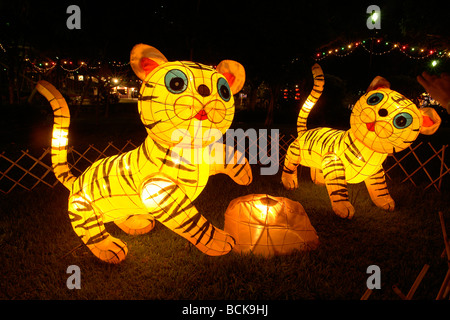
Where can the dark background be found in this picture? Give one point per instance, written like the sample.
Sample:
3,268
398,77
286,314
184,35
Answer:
276,41
263,35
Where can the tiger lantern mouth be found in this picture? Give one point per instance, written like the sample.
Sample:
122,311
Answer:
371,126
201,115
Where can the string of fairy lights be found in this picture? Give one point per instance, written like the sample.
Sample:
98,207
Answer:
69,66
372,46
380,47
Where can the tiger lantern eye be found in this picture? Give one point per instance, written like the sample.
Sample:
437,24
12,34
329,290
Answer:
224,89
402,120
176,81
375,98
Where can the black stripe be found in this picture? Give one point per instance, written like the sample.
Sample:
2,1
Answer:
85,223
239,171
86,205
343,192
203,230
122,171
170,163
332,164
192,221
288,170
151,125
97,180
58,164
147,156
350,160
121,248
377,183
73,217
188,181
161,148
178,209
97,238
147,98
384,194
337,178
343,185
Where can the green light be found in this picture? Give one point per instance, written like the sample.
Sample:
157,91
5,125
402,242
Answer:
434,63
375,17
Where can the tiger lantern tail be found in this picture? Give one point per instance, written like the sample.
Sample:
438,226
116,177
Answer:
61,123
316,92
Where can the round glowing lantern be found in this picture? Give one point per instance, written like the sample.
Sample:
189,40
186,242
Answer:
267,225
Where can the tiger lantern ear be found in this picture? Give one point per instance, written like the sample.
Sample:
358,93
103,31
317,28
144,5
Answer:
378,82
145,58
234,72
431,121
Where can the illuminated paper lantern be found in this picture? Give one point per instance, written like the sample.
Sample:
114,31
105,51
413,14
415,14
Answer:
267,225
382,122
185,107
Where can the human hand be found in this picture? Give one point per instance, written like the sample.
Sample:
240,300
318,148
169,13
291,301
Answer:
438,87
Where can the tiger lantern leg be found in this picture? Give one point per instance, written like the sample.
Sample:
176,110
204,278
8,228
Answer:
334,175
241,173
138,224
289,177
87,223
170,205
378,191
317,176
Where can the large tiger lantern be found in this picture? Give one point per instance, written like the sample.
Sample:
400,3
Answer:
382,122
185,107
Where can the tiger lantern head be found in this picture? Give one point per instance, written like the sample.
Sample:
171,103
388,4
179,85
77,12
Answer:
185,103
387,122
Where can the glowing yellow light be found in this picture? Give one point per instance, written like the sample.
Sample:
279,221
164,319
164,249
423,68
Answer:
60,138
269,225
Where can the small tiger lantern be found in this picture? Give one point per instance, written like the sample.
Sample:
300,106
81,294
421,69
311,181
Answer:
269,225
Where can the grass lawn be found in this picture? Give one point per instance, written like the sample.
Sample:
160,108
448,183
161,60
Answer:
37,245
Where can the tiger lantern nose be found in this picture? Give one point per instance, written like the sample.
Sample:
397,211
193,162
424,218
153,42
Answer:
203,90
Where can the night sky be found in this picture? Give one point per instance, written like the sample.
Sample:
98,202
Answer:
265,36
